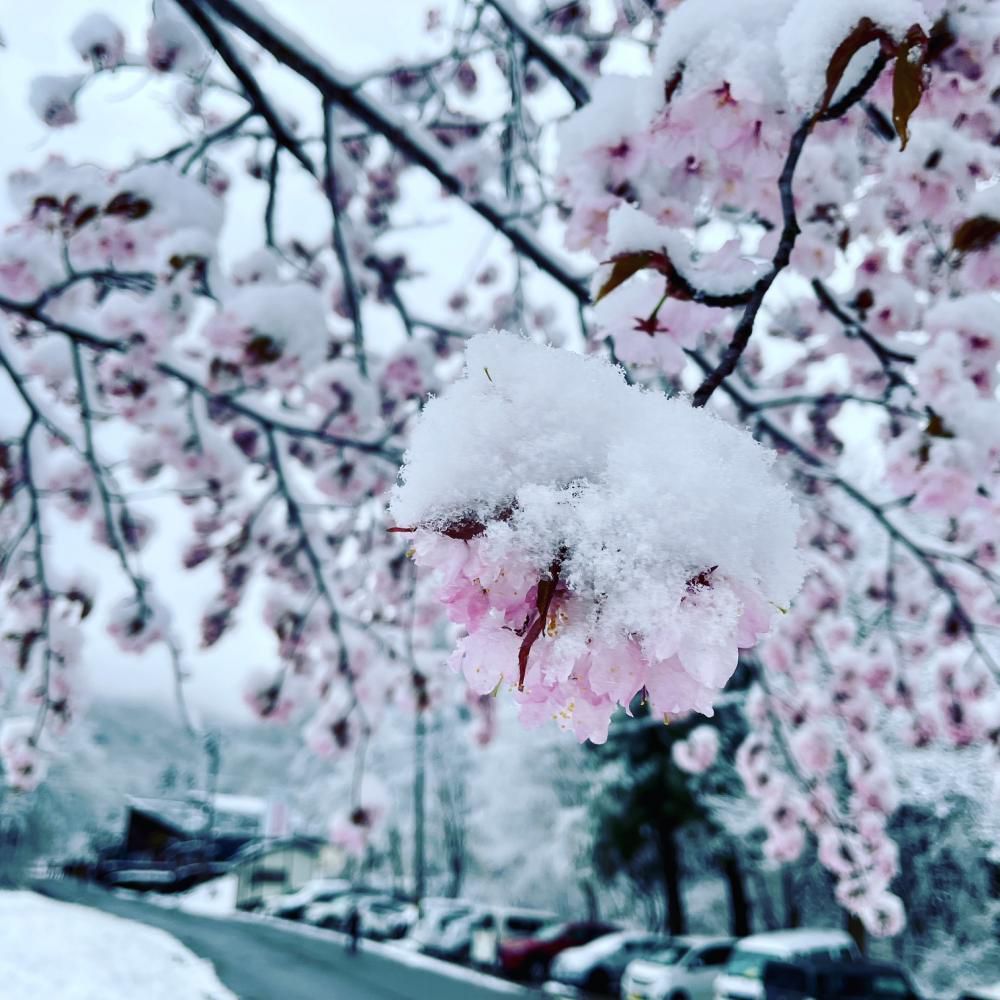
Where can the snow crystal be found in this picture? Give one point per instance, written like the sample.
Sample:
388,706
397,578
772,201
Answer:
631,229
52,98
770,51
586,458
811,34
663,534
732,40
99,38
179,200
291,317
612,114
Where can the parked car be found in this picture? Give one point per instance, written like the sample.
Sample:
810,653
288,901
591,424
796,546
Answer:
435,932
597,967
806,979
494,926
686,969
334,914
982,993
384,918
454,940
743,977
529,958
292,906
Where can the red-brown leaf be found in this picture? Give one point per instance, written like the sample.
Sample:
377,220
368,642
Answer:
976,234
627,264
909,80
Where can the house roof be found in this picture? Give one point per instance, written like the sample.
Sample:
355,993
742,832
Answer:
234,814
261,848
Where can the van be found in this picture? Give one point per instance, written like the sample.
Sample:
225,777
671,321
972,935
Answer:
497,925
809,979
743,978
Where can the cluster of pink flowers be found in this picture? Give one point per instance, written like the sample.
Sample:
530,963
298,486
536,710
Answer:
515,614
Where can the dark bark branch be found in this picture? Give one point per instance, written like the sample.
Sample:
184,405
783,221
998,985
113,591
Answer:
572,82
854,328
339,243
789,234
219,41
410,139
78,335
926,559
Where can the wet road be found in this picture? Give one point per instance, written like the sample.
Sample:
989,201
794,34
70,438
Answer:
266,961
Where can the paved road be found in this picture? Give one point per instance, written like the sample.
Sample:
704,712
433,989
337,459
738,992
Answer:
264,961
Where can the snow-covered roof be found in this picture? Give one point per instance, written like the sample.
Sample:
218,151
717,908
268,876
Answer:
246,805
175,812
233,813
257,849
790,942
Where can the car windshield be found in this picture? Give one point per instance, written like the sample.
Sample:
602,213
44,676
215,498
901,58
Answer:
749,964
552,933
887,986
670,955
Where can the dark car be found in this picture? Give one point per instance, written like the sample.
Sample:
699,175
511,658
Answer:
805,980
530,957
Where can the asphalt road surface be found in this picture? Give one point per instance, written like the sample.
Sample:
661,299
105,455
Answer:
264,961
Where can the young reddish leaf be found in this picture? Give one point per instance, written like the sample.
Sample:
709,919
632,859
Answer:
262,350
909,80
976,234
865,32
627,264
936,427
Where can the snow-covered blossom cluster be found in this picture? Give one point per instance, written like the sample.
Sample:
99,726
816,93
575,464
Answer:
589,537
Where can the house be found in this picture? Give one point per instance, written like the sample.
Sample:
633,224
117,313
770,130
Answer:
266,868
172,844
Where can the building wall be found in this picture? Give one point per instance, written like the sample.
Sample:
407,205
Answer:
283,869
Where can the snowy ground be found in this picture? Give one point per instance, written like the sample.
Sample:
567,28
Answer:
216,898
52,949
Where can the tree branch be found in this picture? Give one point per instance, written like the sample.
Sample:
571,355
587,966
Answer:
409,138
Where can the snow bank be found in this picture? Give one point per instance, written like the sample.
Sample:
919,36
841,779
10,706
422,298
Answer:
52,949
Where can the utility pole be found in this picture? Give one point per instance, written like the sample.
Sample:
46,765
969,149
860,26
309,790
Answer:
213,753
419,797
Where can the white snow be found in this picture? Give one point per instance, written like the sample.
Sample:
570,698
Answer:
586,459
773,51
630,229
811,34
612,114
732,40
53,949
216,898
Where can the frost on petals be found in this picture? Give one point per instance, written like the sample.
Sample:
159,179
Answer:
589,537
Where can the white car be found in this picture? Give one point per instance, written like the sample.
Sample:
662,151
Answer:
496,925
384,918
685,969
292,906
982,993
335,913
433,934
597,967
744,972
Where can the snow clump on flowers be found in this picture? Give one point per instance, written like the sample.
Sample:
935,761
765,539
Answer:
588,536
